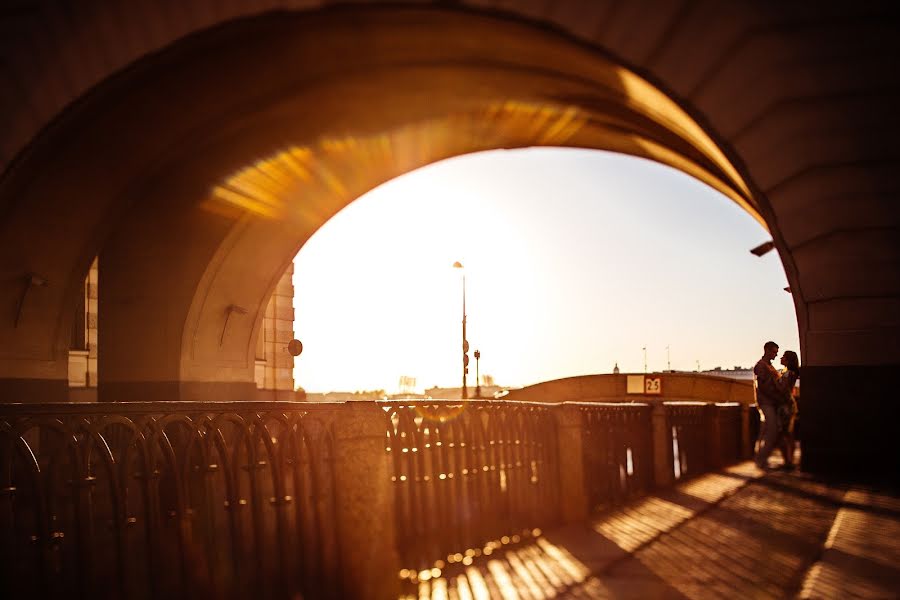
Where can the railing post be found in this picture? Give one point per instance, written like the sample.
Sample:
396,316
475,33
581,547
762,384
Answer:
746,442
573,499
366,518
713,436
663,470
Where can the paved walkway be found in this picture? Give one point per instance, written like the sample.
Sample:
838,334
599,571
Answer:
738,533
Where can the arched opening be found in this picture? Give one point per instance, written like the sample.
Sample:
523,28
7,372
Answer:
284,197
185,228
574,261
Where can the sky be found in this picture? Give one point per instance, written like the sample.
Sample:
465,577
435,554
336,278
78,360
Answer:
575,260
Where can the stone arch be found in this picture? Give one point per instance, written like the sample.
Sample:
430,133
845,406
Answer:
799,105
180,271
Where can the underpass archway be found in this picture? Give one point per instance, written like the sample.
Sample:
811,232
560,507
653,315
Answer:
227,113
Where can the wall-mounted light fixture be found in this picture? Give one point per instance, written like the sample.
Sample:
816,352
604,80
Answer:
763,248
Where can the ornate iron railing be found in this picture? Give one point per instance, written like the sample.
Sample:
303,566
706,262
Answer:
754,425
469,476
618,452
729,430
167,500
144,500
689,424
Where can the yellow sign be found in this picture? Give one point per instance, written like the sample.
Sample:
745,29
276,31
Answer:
642,384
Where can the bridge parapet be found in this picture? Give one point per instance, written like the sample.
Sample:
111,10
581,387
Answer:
474,476
178,499
273,499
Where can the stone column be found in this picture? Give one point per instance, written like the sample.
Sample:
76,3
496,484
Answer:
713,437
365,513
663,471
746,442
573,499
274,368
850,422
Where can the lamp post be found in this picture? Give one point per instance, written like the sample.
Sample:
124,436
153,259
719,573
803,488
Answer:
465,342
477,375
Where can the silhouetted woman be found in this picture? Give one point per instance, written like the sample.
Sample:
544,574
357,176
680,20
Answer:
787,407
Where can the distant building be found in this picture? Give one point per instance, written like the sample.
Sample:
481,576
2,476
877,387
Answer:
406,396
273,369
439,393
367,395
733,373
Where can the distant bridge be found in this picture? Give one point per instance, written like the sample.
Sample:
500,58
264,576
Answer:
625,387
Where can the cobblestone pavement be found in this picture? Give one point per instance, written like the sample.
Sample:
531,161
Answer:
738,533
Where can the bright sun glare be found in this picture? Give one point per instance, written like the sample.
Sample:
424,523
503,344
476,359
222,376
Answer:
574,260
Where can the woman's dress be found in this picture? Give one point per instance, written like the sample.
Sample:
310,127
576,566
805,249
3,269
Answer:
787,408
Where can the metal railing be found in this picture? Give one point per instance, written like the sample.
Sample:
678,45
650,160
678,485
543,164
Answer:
618,452
469,476
730,432
469,473
150,500
143,500
703,436
689,424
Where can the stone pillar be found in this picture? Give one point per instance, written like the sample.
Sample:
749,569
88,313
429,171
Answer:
713,436
83,350
746,442
274,369
91,321
663,470
849,422
366,517
573,499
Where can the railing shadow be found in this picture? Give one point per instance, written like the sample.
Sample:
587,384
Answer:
620,443
721,535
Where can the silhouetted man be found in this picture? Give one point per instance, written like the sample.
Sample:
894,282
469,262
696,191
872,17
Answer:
767,396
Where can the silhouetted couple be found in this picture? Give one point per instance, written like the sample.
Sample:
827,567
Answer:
775,401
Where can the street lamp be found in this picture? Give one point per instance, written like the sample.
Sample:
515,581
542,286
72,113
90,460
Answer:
477,375
465,342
